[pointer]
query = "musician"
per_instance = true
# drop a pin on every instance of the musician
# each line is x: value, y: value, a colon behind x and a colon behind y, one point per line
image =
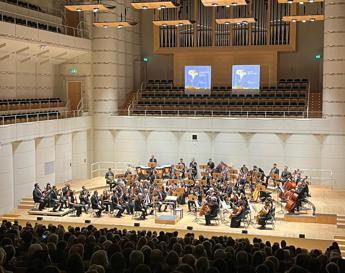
x: 212, y: 211
x: 237, y: 214
x: 265, y: 213
x: 46, y: 195
x: 182, y: 168
x: 109, y: 178
x: 243, y: 170
x: 210, y: 165
x: 274, y: 171
x: 84, y: 196
x: 194, y: 168
x: 153, y: 159
x: 192, y: 199
x: 147, y: 201
x: 105, y: 200
x: 115, y: 205
x: 54, y: 198
x: 302, y: 189
x: 38, y: 196
x: 72, y: 203
x: 160, y: 197
x: 139, y: 206
x: 285, y: 176
x: 95, y: 204
x: 64, y: 198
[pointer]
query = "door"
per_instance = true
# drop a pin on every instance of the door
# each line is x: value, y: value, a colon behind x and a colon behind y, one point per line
x: 73, y: 94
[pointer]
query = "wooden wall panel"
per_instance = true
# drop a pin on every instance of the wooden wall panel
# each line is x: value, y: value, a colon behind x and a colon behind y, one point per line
x: 221, y: 63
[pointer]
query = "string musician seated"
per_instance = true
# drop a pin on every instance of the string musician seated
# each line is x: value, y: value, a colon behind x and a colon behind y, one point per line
x: 274, y: 174
x: 192, y: 201
x: 237, y: 214
x: 159, y: 198
x: 139, y: 206
x: 37, y: 196
x: 84, y: 198
x: 265, y: 213
x: 105, y: 200
x: 116, y: 205
x: 212, y: 211
x: 96, y: 204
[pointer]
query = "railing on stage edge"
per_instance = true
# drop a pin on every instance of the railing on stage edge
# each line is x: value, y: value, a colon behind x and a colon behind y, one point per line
x: 320, y: 177
x: 100, y: 168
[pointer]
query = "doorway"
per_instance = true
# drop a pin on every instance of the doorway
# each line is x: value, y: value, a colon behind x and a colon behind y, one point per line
x: 73, y: 94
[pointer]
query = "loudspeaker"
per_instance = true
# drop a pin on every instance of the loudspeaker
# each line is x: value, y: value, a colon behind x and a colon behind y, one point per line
x: 39, y: 218
x: 137, y: 224
x: 244, y: 231
x: 301, y: 236
x: 189, y: 228
x: 194, y: 137
x: 87, y: 221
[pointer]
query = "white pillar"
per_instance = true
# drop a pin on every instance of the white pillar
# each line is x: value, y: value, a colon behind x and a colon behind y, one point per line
x: 334, y: 59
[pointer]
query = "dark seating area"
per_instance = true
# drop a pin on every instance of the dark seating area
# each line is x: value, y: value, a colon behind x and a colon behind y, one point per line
x: 53, y: 249
x: 9, y: 18
x: 159, y: 97
x: 30, y: 103
x: 29, y: 117
x: 23, y: 4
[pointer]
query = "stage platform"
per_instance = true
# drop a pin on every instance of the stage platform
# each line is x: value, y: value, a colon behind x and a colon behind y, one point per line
x: 317, y: 235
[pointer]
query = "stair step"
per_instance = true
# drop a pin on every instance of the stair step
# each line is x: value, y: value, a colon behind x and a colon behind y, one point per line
x: 27, y: 199
x: 340, y: 225
x: 27, y: 202
x: 339, y: 238
x: 342, y: 247
x: 20, y: 206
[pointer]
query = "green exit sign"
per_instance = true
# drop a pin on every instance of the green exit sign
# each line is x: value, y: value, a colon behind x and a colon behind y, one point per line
x: 73, y: 71
x: 146, y: 59
x: 318, y: 57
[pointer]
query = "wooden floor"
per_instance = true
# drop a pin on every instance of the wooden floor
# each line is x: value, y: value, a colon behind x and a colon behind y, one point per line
x: 316, y: 235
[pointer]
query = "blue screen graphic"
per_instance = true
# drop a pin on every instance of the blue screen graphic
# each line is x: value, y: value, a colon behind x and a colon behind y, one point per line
x: 246, y: 77
x: 197, y: 78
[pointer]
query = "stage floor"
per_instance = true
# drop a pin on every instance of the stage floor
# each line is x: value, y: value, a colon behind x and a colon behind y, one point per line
x: 316, y: 235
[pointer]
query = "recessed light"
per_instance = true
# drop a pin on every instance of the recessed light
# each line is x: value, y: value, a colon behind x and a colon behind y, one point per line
x: 301, y: 3
x: 105, y: 26
x: 227, y: 23
x: 144, y: 7
x: 120, y: 26
x: 245, y: 22
x: 79, y: 9
x: 214, y: 4
x: 312, y: 19
x: 293, y: 20
x: 228, y: 6
x: 303, y: 21
x: 95, y: 10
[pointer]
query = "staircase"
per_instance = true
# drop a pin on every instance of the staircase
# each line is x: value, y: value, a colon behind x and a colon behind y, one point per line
x: 26, y: 203
x: 341, y: 221
x: 341, y: 242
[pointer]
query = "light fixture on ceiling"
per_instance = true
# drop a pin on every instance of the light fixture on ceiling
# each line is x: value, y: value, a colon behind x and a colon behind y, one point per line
x: 234, y: 4
x: 120, y: 26
x: 214, y: 4
x: 303, y: 21
x: 312, y: 19
x: 95, y: 10
x: 290, y: 1
x: 293, y: 20
x: 228, y: 6
x: 227, y: 23
x: 105, y: 26
x: 79, y: 10
x: 144, y: 7
x: 301, y: 3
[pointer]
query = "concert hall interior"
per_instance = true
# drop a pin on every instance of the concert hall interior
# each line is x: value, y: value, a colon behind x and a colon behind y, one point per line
x: 186, y: 136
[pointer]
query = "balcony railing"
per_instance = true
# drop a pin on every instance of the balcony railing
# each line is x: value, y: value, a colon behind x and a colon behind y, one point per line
x: 41, y: 24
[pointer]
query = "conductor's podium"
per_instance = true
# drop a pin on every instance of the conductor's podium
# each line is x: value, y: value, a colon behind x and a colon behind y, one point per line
x: 167, y: 219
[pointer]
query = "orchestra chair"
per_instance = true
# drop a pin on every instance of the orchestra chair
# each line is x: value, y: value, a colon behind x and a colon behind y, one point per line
x: 216, y: 218
x: 247, y: 219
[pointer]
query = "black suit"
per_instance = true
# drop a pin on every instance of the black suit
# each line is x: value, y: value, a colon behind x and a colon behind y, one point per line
x: 95, y: 205
x: 38, y: 197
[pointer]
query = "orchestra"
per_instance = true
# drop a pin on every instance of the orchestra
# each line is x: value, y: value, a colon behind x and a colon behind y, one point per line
x: 159, y: 188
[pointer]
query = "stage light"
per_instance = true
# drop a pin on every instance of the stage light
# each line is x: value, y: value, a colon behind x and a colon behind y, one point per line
x: 39, y: 218
x: 301, y: 236
x: 244, y: 231
x: 137, y: 224
x: 87, y: 221
x: 189, y: 228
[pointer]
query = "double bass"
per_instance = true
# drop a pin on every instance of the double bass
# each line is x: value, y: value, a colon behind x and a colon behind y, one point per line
x: 204, y: 209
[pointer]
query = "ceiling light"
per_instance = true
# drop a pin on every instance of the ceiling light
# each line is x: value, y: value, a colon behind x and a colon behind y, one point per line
x: 245, y: 22
x: 234, y: 4
x: 144, y: 7
x: 293, y: 20
x: 214, y: 4
x: 120, y: 26
x: 105, y: 26
x: 162, y: 6
x: 180, y: 24
x: 238, y: 23
x: 301, y: 3
x: 312, y: 19
x: 303, y: 21
x: 95, y: 10
x: 311, y: 1
x: 79, y: 9
x: 164, y: 25
x: 227, y: 23
x: 290, y: 1
x: 228, y: 6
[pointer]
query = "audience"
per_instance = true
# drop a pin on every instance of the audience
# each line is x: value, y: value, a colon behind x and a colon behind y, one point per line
x: 52, y: 249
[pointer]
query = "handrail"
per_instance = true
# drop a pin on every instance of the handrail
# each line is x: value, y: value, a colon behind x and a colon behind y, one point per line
x: 224, y: 113
x: 47, y: 10
x: 100, y: 167
x: 32, y: 117
x: 60, y: 28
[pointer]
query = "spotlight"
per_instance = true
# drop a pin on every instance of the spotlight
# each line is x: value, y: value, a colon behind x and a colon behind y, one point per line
x: 95, y: 10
